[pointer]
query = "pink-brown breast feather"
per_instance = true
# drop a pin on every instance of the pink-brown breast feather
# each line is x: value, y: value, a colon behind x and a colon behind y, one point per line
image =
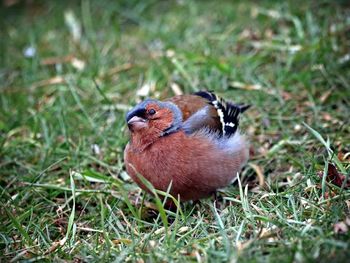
x: 194, y: 164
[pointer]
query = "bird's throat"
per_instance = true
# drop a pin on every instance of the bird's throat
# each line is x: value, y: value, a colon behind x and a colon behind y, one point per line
x: 141, y: 140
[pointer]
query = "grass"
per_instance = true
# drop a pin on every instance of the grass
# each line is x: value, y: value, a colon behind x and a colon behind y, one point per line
x: 69, y: 70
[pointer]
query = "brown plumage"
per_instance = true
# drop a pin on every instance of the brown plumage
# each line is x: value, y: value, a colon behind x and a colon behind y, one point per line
x: 190, y: 104
x: 190, y: 141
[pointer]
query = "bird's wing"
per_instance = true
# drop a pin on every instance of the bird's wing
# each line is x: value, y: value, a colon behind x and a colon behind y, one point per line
x: 197, y: 113
x: 206, y: 110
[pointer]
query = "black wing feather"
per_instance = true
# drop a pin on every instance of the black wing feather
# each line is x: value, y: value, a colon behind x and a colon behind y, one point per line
x: 227, y: 111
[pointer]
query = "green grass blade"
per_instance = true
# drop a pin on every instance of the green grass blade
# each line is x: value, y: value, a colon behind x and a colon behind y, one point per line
x: 331, y: 154
x: 19, y: 227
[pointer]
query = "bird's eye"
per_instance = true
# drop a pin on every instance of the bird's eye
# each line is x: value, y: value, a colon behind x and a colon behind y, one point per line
x: 152, y: 112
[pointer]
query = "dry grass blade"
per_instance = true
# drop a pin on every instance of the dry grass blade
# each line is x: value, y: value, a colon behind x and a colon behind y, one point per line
x: 259, y: 172
x: 48, y: 82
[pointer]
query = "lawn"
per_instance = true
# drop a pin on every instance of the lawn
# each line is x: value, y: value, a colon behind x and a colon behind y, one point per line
x: 70, y: 70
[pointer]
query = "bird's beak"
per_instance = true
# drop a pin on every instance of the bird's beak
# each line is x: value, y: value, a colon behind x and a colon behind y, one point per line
x: 136, y: 123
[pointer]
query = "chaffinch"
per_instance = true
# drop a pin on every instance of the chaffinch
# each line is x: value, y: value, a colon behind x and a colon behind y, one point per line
x: 190, y: 141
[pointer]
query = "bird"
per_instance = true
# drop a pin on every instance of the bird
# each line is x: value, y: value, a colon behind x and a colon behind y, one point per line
x: 190, y: 143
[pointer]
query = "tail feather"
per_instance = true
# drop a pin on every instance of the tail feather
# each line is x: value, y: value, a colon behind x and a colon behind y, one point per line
x: 228, y: 112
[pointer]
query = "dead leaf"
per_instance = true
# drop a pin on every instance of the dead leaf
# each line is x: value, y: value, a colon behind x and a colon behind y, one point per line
x: 183, y: 229
x: 119, y: 241
x: 117, y: 69
x: 176, y: 88
x: 152, y: 243
x: 271, y: 234
x: 56, y: 60
x: 150, y: 205
x: 170, y: 53
x: 329, y: 194
x: 286, y: 95
x: 335, y: 177
x: 8, y: 3
x: 347, y: 221
x: 343, y: 157
x: 159, y: 231
x: 46, y: 82
x: 348, y: 204
x: 56, y: 245
x: 241, y: 245
x: 241, y: 85
x: 325, y: 95
x: 326, y: 116
x: 73, y: 25
x: 146, y: 89
x: 340, y: 228
x: 78, y: 64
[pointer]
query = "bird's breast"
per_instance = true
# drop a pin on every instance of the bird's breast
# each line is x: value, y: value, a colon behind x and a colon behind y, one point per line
x: 192, y: 164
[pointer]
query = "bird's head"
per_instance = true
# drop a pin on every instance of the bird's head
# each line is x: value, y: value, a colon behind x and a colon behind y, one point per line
x: 154, y: 117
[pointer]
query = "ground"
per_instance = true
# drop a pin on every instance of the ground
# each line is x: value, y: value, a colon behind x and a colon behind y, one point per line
x: 70, y: 70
